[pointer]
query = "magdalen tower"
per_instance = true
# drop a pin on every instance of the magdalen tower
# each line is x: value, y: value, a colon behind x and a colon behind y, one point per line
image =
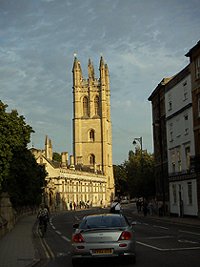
x: 92, y: 129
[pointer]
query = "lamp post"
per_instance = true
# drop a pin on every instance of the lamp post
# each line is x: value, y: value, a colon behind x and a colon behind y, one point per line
x: 139, y: 139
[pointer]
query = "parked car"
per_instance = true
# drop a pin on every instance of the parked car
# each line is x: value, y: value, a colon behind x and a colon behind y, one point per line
x: 103, y: 236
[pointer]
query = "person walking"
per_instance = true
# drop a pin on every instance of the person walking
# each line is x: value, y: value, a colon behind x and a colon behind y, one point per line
x: 115, y: 206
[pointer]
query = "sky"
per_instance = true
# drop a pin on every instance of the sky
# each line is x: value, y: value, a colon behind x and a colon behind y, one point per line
x: 142, y: 41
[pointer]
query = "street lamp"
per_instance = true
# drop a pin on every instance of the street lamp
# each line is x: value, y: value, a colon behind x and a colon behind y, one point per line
x: 139, y: 139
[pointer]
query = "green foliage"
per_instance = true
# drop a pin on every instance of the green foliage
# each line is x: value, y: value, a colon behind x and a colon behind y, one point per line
x: 135, y: 177
x: 56, y: 157
x: 20, y: 175
x: 121, y: 185
x: 26, y: 179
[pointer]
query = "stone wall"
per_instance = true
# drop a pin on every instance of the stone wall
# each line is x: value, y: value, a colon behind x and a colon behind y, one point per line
x: 7, y: 214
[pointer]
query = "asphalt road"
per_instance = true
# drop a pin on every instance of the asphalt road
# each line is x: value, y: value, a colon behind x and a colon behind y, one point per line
x: 158, y: 243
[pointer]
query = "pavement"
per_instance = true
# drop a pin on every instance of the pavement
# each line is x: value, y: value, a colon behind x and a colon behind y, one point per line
x: 17, y: 248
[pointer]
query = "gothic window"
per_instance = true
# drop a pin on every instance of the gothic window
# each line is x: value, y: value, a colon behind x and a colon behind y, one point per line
x: 91, y: 136
x: 85, y: 106
x: 96, y: 106
x: 92, y: 159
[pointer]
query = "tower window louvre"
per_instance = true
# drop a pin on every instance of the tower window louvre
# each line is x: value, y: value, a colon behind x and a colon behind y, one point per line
x: 96, y: 106
x: 85, y: 107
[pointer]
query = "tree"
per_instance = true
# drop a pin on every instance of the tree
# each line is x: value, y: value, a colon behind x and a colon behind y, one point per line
x: 14, y: 134
x: 56, y: 157
x: 140, y: 172
x: 26, y: 180
x: 20, y: 175
x: 120, y: 176
x: 135, y: 177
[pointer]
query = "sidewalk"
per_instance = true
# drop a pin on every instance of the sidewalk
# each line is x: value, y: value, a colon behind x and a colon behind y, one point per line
x: 16, y: 247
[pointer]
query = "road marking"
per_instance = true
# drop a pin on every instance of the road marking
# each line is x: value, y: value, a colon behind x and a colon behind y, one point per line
x: 167, y: 249
x: 188, y: 232
x: 58, y: 232
x: 162, y: 227
x: 187, y: 241
x: 160, y: 237
x: 48, y: 252
x: 66, y: 238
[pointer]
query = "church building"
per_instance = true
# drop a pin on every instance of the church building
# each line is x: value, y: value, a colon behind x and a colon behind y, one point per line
x: 88, y: 176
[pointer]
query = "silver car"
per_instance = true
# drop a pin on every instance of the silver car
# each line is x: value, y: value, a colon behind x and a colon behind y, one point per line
x: 103, y: 236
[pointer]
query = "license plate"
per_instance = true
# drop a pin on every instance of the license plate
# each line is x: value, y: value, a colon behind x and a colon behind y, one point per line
x: 102, y: 251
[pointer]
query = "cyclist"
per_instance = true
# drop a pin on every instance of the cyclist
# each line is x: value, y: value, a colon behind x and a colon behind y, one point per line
x: 115, y: 206
x: 43, y: 216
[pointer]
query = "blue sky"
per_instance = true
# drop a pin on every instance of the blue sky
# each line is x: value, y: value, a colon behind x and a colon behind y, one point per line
x: 142, y: 41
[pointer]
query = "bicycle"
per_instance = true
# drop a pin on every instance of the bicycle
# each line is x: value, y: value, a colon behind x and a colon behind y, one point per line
x: 42, y: 227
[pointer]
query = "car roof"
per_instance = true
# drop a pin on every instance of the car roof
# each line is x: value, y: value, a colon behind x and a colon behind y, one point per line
x: 104, y: 215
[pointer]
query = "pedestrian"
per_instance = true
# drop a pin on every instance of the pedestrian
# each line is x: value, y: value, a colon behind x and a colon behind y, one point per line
x: 145, y: 207
x: 74, y: 205
x: 115, y: 206
x: 70, y: 205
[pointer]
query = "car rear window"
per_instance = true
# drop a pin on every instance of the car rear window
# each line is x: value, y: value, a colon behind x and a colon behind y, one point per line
x: 103, y: 222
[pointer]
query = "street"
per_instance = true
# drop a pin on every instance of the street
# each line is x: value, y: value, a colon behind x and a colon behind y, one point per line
x: 157, y: 242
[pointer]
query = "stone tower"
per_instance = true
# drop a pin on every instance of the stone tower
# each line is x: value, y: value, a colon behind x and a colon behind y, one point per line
x: 92, y: 130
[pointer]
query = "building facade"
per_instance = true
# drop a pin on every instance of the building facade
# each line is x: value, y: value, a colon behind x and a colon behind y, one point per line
x: 65, y: 184
x: 194, y: 56
x: 176, y: 133
x: 180, y: 144
x: 157, y: 99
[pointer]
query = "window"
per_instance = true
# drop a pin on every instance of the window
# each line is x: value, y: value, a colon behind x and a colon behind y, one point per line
x: 92, y: 159
x: 189, y: 184
x: 197, y: 68
x: 91, y: 136
x: 169, y: 102
x: 170, y: 105
x: 171, y: 132
x: 198, y: 103
x: 179, y: 160
x: 185, y: 91
x: 186, y: 124
x: 174, y: 193
x: 173, y: 161
x: 187, y: 157
x: 96, y: 106
x: 85, y: 106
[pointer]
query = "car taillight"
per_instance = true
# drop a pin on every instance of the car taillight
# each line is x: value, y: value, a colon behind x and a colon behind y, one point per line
x: 78, y: 238
x: 125, y: 235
